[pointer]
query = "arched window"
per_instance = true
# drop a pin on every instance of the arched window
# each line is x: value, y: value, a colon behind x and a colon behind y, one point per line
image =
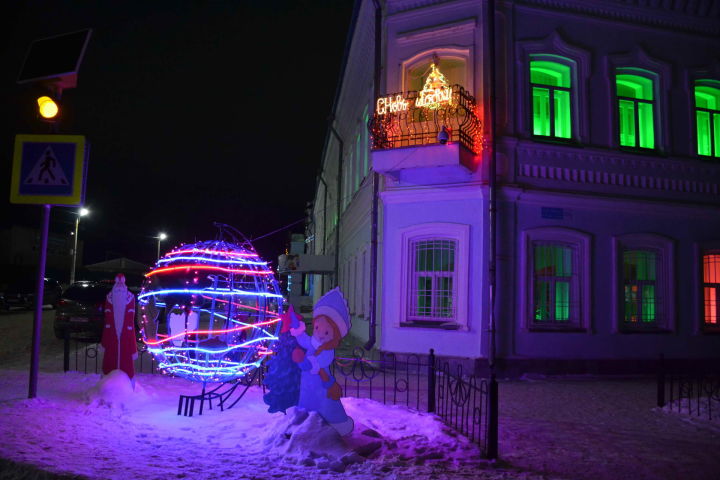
x: 636, y: 110
x: 454, y: 70
x: 707, y: 115
x: 551, y: 85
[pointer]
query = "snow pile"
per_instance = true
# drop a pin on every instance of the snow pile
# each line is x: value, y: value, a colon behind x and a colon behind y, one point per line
x: 115, y: 390
x: 390, y: 434
x: 706, y: 411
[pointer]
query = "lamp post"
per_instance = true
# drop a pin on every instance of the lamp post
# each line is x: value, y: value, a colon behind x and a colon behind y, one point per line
x: 160, y: 238
x: 81, y: 213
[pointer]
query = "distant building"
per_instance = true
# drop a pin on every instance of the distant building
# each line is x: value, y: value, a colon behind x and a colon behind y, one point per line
x: 20, y: 247
x: 608, y: 189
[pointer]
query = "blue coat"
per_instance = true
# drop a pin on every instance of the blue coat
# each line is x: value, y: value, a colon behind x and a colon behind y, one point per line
x: 313, y: 391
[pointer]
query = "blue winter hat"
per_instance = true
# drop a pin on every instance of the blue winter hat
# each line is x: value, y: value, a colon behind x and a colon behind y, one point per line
x: 334, y: 306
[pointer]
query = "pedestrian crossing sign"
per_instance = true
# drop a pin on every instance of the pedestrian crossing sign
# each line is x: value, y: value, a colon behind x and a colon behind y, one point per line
x: 49, y: 170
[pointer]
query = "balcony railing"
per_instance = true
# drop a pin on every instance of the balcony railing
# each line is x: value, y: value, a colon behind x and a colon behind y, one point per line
x: 398, y: 121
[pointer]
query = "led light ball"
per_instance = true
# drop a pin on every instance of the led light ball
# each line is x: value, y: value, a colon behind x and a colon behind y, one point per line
x: 209, y: 311
x: 47, y: 107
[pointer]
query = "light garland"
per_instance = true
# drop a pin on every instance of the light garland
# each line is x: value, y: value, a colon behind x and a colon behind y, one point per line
x: 210, y: 311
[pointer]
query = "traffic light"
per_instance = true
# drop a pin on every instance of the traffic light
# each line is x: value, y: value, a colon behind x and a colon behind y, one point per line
x: 48, y: 109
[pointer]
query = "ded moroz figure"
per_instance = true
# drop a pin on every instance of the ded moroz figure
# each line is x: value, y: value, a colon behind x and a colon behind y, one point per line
x: 318, y: 389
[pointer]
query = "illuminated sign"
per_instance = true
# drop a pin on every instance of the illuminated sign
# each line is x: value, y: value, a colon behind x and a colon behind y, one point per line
x: 436, y: 90
x: 391, y: 105
x: 434, y: 94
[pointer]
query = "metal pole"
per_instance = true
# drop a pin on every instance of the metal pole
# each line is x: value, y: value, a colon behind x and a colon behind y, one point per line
x: 39, y: 293
x: 74, y: 259
x: 158, y: 253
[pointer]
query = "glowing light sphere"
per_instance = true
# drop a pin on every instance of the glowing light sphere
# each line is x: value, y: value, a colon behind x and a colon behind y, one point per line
x: 209, y: 311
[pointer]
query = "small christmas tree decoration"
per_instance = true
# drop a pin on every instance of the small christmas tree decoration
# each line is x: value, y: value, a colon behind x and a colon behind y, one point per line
x: 283, y: 375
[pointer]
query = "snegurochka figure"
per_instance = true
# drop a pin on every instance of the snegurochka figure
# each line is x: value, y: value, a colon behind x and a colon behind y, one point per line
x: 319, y: 391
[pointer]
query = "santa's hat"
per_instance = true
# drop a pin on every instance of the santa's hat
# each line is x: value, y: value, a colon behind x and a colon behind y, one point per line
x: 334, y: 306
x: 119, y: 280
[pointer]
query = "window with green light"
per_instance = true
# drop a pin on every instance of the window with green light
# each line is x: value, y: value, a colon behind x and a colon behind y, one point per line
x: 636, y: 110
x: 552, y: 283
x: 550, y: 83
x: 640, y: 287
x: 707, y: 116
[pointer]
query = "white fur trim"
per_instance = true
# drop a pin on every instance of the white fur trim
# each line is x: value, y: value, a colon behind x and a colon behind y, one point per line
x: 333, y: 315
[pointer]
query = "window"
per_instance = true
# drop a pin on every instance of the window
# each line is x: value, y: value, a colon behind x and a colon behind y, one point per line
x: 707, y: 115
x: 644, y: 272
x: 640, y: 286
x: 553, y: 277
x: 434, y: 270
x: 556, y: 262
x: 711, y: 290
x: 550, y: 83
x: 453, y: 68
x: 432, y: 281
x: 636, y: 110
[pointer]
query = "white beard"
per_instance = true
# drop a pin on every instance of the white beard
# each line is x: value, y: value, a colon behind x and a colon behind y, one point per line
x: 119, y: 299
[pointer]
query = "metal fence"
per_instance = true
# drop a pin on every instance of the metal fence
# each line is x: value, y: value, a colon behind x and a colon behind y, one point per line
x: 406, y: 125
x: 693, y: 393
x: 82, y: 356
x: 463, y: 402
x: 431, y: 384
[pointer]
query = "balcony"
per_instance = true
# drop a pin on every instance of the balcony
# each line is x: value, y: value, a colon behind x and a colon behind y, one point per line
x: 445, y: 118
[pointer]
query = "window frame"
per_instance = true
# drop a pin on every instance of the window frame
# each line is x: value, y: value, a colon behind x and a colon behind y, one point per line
x: 571, y: 93
x: 700, y: 252
x: 460, y: 233
x: 580, y: 243
x: 638, y: 72
x: 664, y: 248
x: 705, y: 82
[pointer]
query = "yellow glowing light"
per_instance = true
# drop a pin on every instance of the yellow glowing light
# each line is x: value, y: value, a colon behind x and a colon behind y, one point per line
x: 47, y: 106
x: 390, y: 104
x: 435, y: 91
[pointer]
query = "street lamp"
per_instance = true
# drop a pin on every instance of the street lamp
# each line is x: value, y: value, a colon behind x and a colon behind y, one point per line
x: 160, y: 238
x: 81, y: 213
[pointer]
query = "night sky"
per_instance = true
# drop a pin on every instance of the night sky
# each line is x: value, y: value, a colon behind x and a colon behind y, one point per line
x: 196, y: 112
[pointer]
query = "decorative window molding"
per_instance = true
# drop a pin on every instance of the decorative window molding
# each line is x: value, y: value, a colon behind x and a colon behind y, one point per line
x: 643, y: 293
x: 553, y: 48
x: 639, y: 63
x: 555, y: 268
x: 443, y: 298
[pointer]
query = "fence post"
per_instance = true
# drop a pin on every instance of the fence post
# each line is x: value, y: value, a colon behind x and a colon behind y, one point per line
x: 492, y: 434
x: 66, y: 351
x: 431, y: 381
x: 661, y: 382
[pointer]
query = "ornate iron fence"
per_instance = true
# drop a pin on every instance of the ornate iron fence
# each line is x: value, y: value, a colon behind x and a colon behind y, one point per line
x: 399, y: 123
x: 465, y: 403
x: 693, y: 393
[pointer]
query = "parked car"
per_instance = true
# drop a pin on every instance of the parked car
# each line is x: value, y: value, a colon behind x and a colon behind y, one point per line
x: 80, y: 310
x: 21, y: 293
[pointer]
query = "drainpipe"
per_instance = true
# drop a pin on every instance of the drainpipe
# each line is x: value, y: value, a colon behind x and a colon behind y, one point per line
x: 341, y: 148
x: 324, y: 232
x: 492, y: 274
x: 375, y: 188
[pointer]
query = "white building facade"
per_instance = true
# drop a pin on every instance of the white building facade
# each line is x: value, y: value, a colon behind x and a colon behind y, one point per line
x: 607, y: 153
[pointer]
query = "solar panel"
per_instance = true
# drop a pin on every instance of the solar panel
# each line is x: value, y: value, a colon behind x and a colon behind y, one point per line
x: 54, y: 57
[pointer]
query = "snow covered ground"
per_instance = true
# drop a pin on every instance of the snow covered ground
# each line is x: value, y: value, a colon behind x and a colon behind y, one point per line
x: 80, y: 425
x: 549, y: 429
